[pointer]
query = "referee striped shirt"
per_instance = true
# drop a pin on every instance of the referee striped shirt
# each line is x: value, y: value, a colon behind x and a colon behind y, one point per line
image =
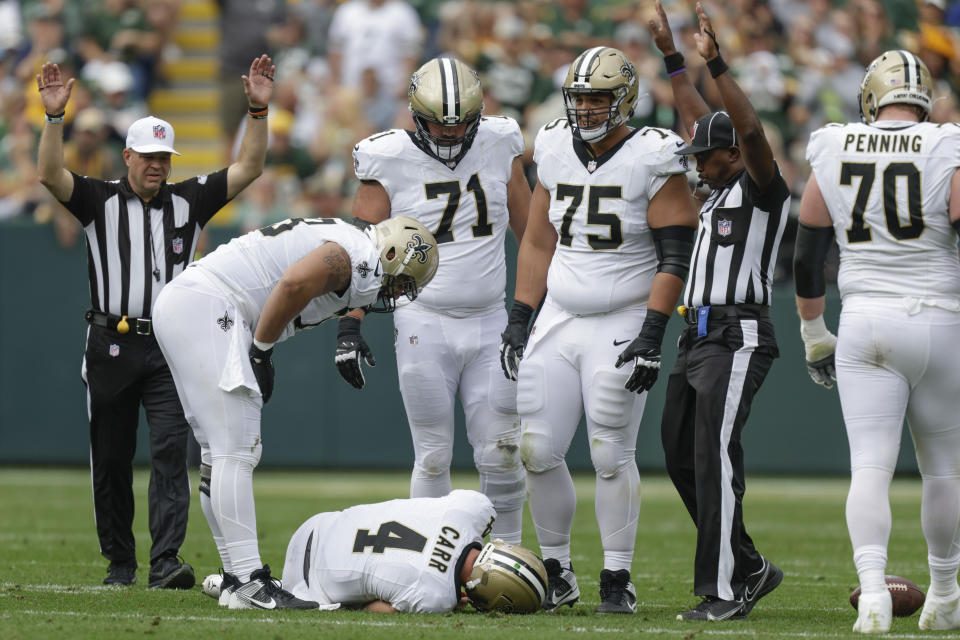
x: 736, y: 249
x: 134, y: 248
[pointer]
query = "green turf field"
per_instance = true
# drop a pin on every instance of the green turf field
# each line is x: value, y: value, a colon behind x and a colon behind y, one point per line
x: 51, y: 571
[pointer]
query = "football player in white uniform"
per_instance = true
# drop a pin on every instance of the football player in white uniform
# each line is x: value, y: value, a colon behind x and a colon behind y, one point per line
x: 413, y: 555
x: 216, y: 324
x: 888, y: 190
x: 460, y: 175
x: 608, y: 243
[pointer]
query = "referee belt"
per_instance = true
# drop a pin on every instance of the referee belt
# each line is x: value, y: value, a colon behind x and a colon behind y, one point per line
x: 120, y: 324
x: 725, y: 312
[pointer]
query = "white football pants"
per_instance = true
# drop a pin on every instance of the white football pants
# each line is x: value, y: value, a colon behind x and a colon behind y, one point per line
x: 438, y: 357
x: 900, y: 358
x: 205, y: 342
x: 568, y: 370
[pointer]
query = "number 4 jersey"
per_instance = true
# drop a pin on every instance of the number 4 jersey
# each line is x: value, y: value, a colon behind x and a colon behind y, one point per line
x: 465, y: 207
x: 406, y: 552
x: 887, y: 187
x: 605, y: 259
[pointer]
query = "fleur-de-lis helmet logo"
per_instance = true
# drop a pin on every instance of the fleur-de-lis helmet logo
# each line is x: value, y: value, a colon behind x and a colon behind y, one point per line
x: 418, y: 248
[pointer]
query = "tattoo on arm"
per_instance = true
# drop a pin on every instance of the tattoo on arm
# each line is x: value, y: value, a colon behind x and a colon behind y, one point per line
x: 338, y: 263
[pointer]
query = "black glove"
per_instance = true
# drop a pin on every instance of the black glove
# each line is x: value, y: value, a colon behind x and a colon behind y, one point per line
x: 350, y: 347
x: 263, y: 370
x: 514, y: 338
x: 645, y: 352
x: 823, y: 371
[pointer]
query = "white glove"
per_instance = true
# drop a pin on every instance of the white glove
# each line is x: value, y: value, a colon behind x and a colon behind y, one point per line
x: 820, y: 346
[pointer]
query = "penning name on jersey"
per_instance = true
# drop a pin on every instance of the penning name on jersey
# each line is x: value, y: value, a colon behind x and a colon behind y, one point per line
x: 883, y: 143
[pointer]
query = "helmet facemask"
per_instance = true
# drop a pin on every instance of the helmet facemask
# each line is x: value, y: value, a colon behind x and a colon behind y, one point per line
x: 446, y: 92
x: 600, y: 71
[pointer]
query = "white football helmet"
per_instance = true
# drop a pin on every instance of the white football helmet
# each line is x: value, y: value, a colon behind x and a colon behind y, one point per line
x: 507, y: 578
x: 447, y: 92
x: 896, y: 76
x: 601, y: 70
x: 409, y: 258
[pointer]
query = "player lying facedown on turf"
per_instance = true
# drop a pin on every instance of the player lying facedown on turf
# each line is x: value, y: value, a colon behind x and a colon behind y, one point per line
x: 216, y: 324
x: 410, y: 555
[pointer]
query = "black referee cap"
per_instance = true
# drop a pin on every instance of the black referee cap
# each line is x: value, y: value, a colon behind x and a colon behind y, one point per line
x: 712, y: 131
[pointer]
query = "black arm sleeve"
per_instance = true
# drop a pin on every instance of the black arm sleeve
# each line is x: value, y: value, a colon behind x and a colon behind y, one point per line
x: 956, y: 225
x: 810, y: 251
x: 674, y: 247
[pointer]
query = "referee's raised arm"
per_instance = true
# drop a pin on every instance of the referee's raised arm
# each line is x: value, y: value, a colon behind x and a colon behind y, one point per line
x: 258, y: 85
x: 54, y: 94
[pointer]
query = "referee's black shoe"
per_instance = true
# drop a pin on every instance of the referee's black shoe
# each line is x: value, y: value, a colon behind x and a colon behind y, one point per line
x: 169, y: 573
x: 121, y: 573
x: 758, y: 584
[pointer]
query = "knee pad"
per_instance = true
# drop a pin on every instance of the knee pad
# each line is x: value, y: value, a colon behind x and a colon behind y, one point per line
x: 609, y: 456
x: 436, y: 461
x: 536, y: 450
x: 205, y: 475
x: 530, y: 385
x: 500, y: 456
x: 609, y: 403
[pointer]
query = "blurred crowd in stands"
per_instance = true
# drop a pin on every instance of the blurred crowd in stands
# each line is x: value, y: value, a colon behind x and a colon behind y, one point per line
x: 343, y: 70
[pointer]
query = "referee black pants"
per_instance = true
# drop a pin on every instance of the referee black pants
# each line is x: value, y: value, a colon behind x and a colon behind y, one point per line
x: 708, y: 399
x: 121, y: 372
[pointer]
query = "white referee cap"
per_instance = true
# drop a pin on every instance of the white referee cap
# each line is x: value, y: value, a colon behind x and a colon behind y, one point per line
x: 151, y: 135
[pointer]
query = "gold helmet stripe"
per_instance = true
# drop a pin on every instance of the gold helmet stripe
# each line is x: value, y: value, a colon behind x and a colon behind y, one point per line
x: 513, y: 564
x: 450, y: 84
x: 582, y: 72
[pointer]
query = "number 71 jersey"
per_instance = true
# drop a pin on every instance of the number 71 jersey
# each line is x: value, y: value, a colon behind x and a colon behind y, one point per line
x: 887, y: 188
x: 464, y: 206
x: 605, y: 258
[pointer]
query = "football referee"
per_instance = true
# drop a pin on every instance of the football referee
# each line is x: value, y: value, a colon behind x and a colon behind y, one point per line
x: 141, y: 232
x: 728, y: 345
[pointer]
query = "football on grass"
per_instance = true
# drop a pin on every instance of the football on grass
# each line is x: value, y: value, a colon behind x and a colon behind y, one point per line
x: 907, y: 597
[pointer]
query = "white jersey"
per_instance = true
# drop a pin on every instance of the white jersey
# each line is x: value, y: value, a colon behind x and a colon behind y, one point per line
x: 887, y: 187
x: 406, y: 552
x: 247, y: 268
x: 605, y: 258
x: 465, y: 207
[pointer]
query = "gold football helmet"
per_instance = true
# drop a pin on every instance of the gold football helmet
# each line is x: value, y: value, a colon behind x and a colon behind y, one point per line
x: 447, y: 92
x: 601, y: 70
x: 897, y: 76
x: 507, y: 578
x: 408, y: 257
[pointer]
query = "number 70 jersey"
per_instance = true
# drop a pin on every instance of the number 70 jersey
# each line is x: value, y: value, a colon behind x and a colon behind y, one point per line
x: 887, y: 188
x: 465, y: 207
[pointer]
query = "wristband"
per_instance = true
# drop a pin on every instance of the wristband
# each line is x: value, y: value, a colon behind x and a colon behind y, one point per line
x: 258, y: 113
x: 717, y: 66
x: 520, y: 313
x: 674, y: 63
x: 263, y: 346
x: 814, y: 330
x: 55, y: 118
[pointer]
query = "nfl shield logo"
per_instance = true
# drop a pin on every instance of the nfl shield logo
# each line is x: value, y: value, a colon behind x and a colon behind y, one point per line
x: 592, y: 166
x: 414, y: 339
x: 178, y: 245
x: 724, y: 227
x: 159, y: 132
x: 114, y: 350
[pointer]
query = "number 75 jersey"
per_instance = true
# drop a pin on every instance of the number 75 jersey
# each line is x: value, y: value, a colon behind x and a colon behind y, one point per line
x: 605, y: 259
x: 887, y: 188
x: 465, y: 207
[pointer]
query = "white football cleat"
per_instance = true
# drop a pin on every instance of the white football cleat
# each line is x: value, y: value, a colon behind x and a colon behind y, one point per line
x: 941, y: 612
x: 875, y: 613
x: 211, y: 585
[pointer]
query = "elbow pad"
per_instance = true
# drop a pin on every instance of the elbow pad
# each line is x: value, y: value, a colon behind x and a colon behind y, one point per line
x: 809, y: 254
x: 674, y: 246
